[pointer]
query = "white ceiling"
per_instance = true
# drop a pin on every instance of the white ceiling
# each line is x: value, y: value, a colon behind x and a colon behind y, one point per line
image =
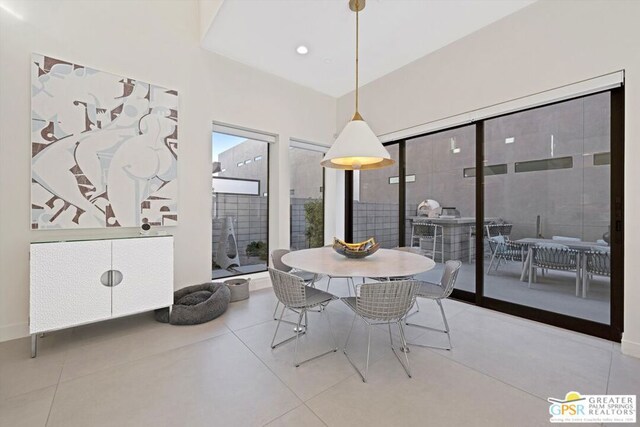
x: 265, y: 33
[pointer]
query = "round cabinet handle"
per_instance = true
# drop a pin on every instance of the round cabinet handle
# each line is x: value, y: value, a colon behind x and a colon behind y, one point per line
x: 116, y: 277
x: 111, y: 278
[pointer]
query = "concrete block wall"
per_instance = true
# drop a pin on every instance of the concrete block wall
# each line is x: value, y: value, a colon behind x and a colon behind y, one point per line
x: 378, y: 220
x: 249, y: 215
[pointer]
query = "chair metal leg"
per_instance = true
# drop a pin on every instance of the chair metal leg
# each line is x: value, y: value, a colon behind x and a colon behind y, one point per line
x: 446, y: 324
x: 362, y: 376
x: 295, y: 353
x: 493, y: 257
x: 406, y: 367
x: 446, y: 329
x: 273, y: 345
x: 275, y: 311
x: 328, y: 283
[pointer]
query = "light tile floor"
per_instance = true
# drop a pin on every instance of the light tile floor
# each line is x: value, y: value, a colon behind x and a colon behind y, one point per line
x: 136, y: 372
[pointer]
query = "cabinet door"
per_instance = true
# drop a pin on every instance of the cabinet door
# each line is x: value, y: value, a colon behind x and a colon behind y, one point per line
x: 146, y: 265
x: 65, y: 284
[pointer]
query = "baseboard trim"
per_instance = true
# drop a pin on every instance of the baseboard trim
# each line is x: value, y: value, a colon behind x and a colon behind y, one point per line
x: 259, y: 283
x: 14, y: 331
x: 630, y: 348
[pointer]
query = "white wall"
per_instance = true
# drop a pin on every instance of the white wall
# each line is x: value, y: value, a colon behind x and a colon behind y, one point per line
x: 158, y: 42
x: 546, y: 45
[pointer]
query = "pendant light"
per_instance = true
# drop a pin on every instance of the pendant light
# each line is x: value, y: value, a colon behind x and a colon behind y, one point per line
x: 357, y: 147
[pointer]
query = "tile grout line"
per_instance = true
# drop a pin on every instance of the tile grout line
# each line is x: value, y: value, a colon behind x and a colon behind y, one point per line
x: 140, y: 358
x: 556, y: 331
x: 55, y: 392
x: 314, y: 413
x: 274, y: 374
x: 609, y: 376
x: 486, y: 375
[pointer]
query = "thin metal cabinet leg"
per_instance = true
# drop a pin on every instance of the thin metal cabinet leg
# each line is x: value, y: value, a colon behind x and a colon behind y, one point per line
x: 34, y: 345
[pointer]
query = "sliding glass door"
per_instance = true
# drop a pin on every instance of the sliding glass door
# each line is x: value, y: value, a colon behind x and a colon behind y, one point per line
x: 531, y: 202
x: 440, y: 207
x: 548, y: 231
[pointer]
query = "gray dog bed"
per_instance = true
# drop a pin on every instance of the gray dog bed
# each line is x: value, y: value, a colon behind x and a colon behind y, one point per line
x: 196, y: 304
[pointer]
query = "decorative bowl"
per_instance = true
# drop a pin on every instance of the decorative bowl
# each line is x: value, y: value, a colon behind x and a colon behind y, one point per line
x: 355, y: 250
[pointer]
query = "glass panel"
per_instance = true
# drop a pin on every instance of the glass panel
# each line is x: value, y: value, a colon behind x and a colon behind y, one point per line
x: 307, y: 209
x: 375, y: 205
x: 436, y: 161
x: 488, y: 170
x: 600, y: 159
x: 561, y: 204
x: 239, y: 216
x: 544, y: 164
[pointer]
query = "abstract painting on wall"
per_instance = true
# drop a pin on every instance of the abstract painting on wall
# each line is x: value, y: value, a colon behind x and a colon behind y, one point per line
x: 104, y: 149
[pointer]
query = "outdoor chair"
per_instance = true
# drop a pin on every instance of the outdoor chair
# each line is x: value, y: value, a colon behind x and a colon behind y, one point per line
x: 296, y: 296
x: 379, y: 304
x: 554, y: 256
x: 494, y: 230
x: 597, y: 262
x: 437, y: 292
x: 429, y: 233
x: 503, y: 249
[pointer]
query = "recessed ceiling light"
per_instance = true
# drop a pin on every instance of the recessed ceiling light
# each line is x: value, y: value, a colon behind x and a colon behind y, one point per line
x: 302, y: 49
x: 510, y: 140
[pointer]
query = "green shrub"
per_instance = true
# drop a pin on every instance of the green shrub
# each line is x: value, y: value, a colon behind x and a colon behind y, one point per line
x: 314, y: 215
x: 258, y: 249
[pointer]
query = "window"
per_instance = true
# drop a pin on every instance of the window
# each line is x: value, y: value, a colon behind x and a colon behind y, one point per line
x: 240, y: 214
x: 306, y: 202
x: 544, y: 164
x: 488, y: 170
x: 601, y: 159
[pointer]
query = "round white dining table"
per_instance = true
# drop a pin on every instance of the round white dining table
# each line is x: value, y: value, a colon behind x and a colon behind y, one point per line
x: 383, y: 263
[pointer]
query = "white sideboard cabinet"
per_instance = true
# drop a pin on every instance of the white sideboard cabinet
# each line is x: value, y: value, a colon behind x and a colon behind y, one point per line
x: 78, y: 282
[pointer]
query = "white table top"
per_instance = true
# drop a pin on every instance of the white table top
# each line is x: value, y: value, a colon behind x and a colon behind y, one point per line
x: 383, y: 263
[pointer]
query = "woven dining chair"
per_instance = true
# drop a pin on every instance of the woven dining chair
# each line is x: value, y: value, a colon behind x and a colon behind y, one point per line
x: 294, y: 295
x: 379, y: 304
x: 597, y: 262
x: 437, y: 292
x: 503, y: 249
x: 554, y: 256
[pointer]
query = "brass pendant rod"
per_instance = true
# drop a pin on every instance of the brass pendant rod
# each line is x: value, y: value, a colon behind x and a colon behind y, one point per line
x: 357, y: 47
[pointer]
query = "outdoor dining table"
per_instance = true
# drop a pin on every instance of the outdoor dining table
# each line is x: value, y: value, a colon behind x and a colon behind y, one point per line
x: 579, y: 246
x: 383, y: 263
